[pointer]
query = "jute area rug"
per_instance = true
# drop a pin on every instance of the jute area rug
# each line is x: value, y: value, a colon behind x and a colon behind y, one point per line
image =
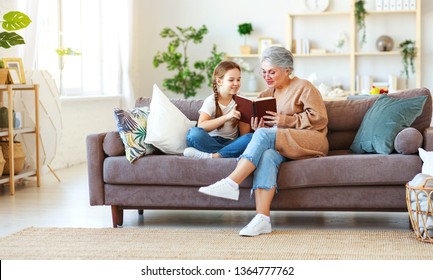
x: 208, y: 244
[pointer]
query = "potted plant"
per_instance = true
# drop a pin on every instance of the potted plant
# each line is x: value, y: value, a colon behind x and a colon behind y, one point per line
x: 360, y: 13
x: 245, y: 29
x: 186, y: 80
x: 11, y: 22
x: 408, y: 54
x: 63, y: 54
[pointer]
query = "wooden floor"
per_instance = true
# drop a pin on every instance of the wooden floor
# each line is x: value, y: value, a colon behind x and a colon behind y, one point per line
x: 66, y: 204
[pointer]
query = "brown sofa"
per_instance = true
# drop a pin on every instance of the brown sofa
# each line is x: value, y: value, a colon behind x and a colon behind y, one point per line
x: 341, y: 181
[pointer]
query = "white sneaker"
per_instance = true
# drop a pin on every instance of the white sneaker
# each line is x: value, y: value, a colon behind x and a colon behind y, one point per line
x: 258, y: 225
x: 194, y: 153
x: 221, y: 189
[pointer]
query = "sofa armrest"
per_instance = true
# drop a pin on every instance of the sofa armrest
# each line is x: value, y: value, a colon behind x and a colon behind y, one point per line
x: 95, y: 163
x: 428, y: 139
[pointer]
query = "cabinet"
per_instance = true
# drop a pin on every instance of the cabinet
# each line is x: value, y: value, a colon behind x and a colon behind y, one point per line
x: 10, y: 132
x: 347, y: 66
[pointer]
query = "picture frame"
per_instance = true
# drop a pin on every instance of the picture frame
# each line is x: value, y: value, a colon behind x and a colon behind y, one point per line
x: 264, y: 43
x: 16, y: 69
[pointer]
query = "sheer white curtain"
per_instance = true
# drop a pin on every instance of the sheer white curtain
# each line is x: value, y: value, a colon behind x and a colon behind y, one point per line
x: 126, y: 42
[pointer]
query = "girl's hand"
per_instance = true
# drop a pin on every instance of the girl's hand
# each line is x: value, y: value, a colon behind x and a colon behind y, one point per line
x: 271, y: 119
x: 255, y: 123
x: 233, y: 114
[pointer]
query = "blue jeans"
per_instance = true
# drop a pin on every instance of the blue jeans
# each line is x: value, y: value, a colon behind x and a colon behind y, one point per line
x: 201, y: 140
x: 261, y: 152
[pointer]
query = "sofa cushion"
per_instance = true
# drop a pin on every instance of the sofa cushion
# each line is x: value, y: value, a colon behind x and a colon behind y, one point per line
x: 166, y: 170
x: 132, y: 126
x: 408, y: 141
x: 113, y: 145
x: 383, y: 121
x: 342, y: 129
x: 341, y: 168
x: 167, y: 125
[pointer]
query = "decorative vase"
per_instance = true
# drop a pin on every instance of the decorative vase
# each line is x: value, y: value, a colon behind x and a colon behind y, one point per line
x: 384, y: 43
x: 252, y: 83
x: 245, y: 49
x: 19, y: 156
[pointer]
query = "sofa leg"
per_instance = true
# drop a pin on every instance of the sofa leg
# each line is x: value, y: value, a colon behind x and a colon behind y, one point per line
x: 140, y: 211
x: 116, y: 215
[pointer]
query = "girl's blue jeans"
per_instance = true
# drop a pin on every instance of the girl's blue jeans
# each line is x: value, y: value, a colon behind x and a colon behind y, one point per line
x: 261, y: 152
x: 201, y: 140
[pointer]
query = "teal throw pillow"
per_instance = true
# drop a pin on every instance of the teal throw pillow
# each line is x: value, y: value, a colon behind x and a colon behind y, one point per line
x: 132, y: 126
x: 383, y: 121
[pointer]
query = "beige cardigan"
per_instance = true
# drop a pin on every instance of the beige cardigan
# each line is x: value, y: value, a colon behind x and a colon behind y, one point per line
x: 303, y: 134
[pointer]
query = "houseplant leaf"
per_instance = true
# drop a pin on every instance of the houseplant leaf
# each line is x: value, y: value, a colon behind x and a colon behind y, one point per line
x: 15, y: 20
x: 8, y: 39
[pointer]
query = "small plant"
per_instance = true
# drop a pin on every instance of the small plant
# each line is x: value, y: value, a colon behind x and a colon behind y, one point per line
x: 13, y: 21
x: 62, y: 52
x: 408, y: 53
x: 244, y: 30
x: 186, y: 81
x: 360, y: 14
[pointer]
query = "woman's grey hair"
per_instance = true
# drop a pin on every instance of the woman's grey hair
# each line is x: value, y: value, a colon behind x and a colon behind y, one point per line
x: 278, y: 56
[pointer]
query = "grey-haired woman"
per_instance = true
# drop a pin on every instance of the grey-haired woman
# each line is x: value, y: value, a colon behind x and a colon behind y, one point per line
x: 296, y: 131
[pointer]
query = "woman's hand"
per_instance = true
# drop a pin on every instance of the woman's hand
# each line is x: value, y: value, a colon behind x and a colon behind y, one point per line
x: 271, y: 119
x: 233, y: 114
x: 255, y: 123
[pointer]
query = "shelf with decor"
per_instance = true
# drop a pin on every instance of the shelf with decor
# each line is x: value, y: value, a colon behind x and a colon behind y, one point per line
x: 317, y: 29
x: 10, y: 132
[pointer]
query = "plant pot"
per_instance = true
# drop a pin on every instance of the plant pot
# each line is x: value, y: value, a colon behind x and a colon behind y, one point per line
x: 19, y: 156
x: 4, y: 73
x: 2, y: 162
x: 245, y: 49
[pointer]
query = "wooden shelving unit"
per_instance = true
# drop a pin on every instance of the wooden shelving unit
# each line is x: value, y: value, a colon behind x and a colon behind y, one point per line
x: 353, y: 57
x: 9, y: 90
x: 354, y: 54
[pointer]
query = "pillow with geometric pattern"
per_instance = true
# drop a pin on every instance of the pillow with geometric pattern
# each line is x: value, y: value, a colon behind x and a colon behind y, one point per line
x: 132, y: 125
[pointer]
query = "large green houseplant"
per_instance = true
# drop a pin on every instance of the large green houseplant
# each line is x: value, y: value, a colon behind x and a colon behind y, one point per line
x: 186, y: 80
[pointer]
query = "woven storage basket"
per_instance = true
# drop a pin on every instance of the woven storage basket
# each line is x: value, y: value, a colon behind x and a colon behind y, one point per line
x: 419, y: 200
x: 2, y: 162
x: 19, y: 157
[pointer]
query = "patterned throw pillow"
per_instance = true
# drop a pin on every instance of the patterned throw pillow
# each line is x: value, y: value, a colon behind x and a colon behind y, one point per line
x: 132, y: 125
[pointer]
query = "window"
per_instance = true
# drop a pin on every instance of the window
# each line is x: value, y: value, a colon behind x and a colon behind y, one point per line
x: 87, y: 27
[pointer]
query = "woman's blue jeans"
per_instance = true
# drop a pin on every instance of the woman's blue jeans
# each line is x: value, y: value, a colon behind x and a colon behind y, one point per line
x: 261, y: 152
x: 201, y: 140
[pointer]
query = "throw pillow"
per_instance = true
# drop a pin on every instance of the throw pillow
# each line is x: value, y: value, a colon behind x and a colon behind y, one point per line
x: 167, y: 125
x: 408, y: 141
x: 427, y: 159
x: 383, y: 121
x: 132, y: 130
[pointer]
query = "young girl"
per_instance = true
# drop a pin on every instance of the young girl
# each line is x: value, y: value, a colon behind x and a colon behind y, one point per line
x: 218, y: 128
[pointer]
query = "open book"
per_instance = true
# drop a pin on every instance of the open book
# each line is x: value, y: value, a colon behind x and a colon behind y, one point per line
x: 254, y: 107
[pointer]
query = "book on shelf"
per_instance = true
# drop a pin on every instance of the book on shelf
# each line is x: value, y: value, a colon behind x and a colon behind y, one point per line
x: 254, y: 107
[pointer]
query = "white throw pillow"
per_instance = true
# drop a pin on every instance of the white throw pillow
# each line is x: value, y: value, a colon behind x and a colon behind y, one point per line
x: 166, y: 124
x: 427, y: 158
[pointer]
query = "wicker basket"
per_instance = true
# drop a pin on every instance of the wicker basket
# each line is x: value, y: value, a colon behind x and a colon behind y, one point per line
x: 19, y: 157
x: 419, y: 200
